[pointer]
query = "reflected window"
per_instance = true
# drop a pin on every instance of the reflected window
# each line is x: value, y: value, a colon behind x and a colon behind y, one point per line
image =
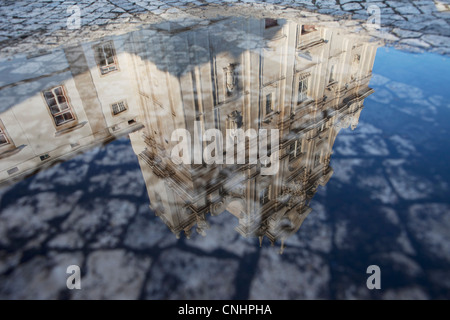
x: 3, y: 137
x: 331, y: 79
x: 316, y: 160
x: 269, y: 23
x: 295, y: 150
x: 105, y: 55
x: 118, y: 107
x: 322, y: 128
x: 264, y: 196
x: 303, y: 90
x: 269, y: 103
x: 58, y: 104
x: 265, y: 161
x: 159, y: 206
x: 308, y: 28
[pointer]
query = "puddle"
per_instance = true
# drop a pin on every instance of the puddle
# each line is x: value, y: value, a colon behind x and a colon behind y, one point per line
x: 217, y: 160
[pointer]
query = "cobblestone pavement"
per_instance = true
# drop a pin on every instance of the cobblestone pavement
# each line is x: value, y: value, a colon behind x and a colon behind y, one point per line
x: 25, y: 25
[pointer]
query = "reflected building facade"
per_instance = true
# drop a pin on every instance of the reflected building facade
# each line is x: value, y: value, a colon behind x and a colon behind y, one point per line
x: 59, y: 103
x: 306, y: 81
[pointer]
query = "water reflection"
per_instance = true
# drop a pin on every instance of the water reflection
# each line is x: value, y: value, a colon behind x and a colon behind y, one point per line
x: 308, y: 82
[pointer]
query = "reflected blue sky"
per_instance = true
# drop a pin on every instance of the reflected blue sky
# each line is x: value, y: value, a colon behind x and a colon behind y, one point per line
x: 390, y: 189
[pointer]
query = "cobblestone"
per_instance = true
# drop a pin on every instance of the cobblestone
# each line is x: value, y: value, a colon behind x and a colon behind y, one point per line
x: 26, y: 21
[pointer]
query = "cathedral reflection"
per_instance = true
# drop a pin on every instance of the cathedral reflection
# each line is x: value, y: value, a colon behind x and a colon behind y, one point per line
x: 306, y: 81
x: 309, y: 82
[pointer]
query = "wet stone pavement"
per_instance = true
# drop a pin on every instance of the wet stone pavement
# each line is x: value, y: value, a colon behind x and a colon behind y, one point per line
x: 413, y: 24
x: 386, y: 202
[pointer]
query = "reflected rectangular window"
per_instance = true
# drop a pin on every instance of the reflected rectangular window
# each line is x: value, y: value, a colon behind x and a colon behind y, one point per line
x: 3, y: 138
x: 159, y: 206
x: 264, y: 196
x: 57, y: 102
x: 118, y: 107
x: 308, y: 28
x: 269, y: 108
x: 106, y: 58
x: 316, y: 160
x: 295, y: 150
x: 302, y: 90
x: 12, y: 170
x: 331, y: 79
x: 292, y: 151
x: 269, y: 23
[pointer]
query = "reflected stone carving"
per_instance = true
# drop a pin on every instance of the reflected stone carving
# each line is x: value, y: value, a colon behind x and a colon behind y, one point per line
x: 235, y: 120
x: 293, y: 193
x: 230, y: 78
x: 355, y: 66
x: 238, y: 192
x: 202, y: 225
x: 217, y: 208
